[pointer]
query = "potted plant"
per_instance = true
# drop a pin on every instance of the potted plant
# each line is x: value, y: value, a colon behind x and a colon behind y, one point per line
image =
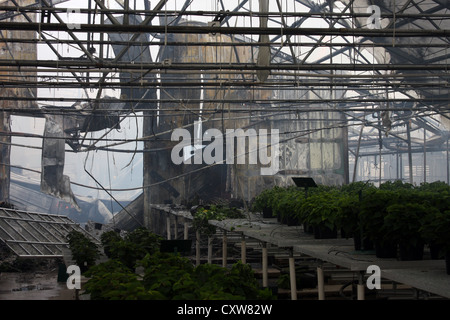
x: 350, y: 221
x: 287, y: 206
x: 213, y: 212
x: 320, y: 211
x: 402, y: 225
x: 261, y: 203
x: 435, y: 229
x: 374, y: 205
x: 267, y: 200
x: 84, y: 252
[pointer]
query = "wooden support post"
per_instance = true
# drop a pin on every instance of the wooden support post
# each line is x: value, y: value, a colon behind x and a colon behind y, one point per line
x: 243, y: 250
x: 264, y: 266
x: 292, y: 275
x: 320, y: 283
x: 360, y: 287
x: 224, y: 249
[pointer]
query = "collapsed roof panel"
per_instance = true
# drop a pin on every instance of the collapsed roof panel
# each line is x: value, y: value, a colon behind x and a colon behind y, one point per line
x: 38, y: 235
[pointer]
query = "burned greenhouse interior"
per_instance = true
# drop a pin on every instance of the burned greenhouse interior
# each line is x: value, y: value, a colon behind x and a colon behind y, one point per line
x: 229, y: 131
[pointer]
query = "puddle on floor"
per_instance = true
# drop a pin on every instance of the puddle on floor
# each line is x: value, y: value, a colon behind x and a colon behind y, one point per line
x: 29, y: 286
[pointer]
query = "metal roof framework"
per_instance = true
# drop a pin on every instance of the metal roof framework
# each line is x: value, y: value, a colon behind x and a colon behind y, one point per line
x: 409, y: 88
x: 36, y: 235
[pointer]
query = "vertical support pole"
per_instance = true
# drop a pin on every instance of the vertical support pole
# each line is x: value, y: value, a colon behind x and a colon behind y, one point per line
x: 175, y: 228
x: 168, y: 227
x: 210, y: 249
x: 357, y: 153
x: 292, y: 275
x: 224, y: 249
x: 264, y: 266
x: 186, y: 229
x: 5, y: 154
x: 320, y: 283
x: 360, y: 287
x: 197, y: 248
x: 243, y: 250
x: 448, y: 167
x: 408, y: 134
x: 424, y: 155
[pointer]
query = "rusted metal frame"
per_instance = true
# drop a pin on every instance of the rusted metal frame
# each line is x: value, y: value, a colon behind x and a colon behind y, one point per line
x: 120, y: 55
x: 288, y: 39
x: 232, y: 38
x: 46, y: 40
x: 138, y: 29
x: 74, y: 37
x: 37, y: 5
x: 347, y: 7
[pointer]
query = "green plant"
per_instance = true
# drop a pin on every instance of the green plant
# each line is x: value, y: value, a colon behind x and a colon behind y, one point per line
x: 133, y: 247
x: 204, y: 214
x: 373, y: 206
x: 435, y: 228
x: 321, y: 210
x: 396, y: 185
x: 174, y: 277
x: 287, y: 207
x: 402, y: 223
x: 109, y: 239
x: 169, y: 274
x: 349, y: 219
x: 267, y: 199
x: 112, y: 280
x: 84, y: 251
x: 261, y: 201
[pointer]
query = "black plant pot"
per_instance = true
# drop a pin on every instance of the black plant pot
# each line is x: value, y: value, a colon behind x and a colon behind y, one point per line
x: 436, y: 251
x: 267, y: 213
x: 308, y: 228
x: 366, y: 244
x: 447, y: 262
x: 292, y: 221
x: 322, y: 232
x: 385, y: 249
x: 411, y: 252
